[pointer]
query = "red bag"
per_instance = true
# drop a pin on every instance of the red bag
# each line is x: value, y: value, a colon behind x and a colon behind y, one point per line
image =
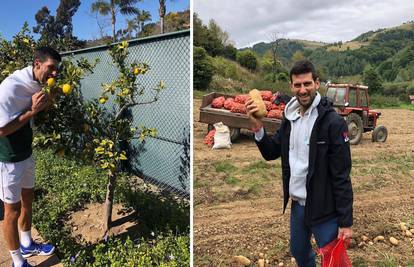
x: 268, y: 105
x: 228, y: 104
x: 238, y: 108
x: 218, y: 102
x: 241, y: 98
x: 266, y: 95
x: 275, y: 114
x: 334, y: 254
x: 209, y: 139
x: 274, y: 106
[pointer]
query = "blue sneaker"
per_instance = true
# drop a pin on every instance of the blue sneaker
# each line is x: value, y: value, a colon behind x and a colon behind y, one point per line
x: 25, y: 264
x: 37, y: 249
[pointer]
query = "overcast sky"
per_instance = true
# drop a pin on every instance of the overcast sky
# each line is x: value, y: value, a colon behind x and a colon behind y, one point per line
x: 249, y: 22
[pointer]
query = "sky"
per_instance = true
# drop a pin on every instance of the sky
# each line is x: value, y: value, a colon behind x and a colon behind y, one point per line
x: 15, y: 12
x: 250, y: 22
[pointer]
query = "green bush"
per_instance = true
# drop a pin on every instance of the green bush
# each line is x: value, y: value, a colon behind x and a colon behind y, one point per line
x: 382, y: 101
x: 277, y: 86
x: 17, y: 53
x: 226, y: 85
x: 230, y: 69
x: 166, y: 250
x: 410, y: 89
x: 248, y: 59
x: 373, y: 80
x: 399, y: 89
x: 203, y: 68
x: 283, y: 77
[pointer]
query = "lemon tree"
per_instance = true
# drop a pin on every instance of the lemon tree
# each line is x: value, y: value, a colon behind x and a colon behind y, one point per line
x: 125, y: 91
x: 17, y: 53
x: 67, y: 124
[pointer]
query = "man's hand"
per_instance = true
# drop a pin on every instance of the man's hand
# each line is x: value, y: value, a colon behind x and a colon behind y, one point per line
x: 345, y: 233
x: 39, y: 102
x: 251, y: 108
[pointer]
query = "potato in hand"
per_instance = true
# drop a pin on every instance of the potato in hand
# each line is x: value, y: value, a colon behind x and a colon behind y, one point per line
x: 256, y: 96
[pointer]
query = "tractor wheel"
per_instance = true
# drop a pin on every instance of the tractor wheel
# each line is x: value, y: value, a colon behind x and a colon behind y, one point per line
x: 234, y: 132
x: 379, y: 134
x: 355, y: 128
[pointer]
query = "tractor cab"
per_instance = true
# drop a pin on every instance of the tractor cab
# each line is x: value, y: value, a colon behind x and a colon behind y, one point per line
x: 352, y: 102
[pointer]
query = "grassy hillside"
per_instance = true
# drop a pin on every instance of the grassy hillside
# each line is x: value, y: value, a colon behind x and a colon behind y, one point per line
x: 384, y: 49
x: 366, y: 38
x: 231, y: 78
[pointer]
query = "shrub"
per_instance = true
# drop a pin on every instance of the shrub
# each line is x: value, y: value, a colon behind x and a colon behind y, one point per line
x: 373, y: 80
x: 410, y: 89
x: 247, y: 59
x: 381, y: 101
x: 167, y: 250
x: 203, y: 69
x: 17, y: 53
x: 395, y: 89
x: 226, y: 85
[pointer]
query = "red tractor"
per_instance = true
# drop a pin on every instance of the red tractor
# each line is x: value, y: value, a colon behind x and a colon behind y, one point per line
x: 352, y: 102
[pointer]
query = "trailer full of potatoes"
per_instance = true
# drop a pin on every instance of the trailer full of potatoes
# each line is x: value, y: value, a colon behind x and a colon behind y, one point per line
x: 231, y: 110
x: 236, y: 104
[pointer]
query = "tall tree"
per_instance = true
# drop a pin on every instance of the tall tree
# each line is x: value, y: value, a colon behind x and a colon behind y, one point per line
x: 274, y: 45
x: 373, y: 80
x: 45, y: 25
x: 64, y: 14
x: 142, y: 17
x: 57, y: 30
x: 131, y: 25
x: 218, y: 33
x: 112, y: 8
x: 161, y: 10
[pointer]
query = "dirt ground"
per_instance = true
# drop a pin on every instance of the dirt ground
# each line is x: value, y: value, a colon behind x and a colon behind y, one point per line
x: 88, y: 223
x: 238, y: 199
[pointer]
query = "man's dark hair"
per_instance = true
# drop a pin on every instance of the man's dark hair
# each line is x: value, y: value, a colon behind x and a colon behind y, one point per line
x: 44, y: 53
x: 302, y: 67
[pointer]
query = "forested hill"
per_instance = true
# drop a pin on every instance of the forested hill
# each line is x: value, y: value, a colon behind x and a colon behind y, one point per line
x: 389, y: 51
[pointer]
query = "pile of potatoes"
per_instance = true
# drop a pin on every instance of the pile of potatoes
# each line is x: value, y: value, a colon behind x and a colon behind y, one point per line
x: 263, y: 99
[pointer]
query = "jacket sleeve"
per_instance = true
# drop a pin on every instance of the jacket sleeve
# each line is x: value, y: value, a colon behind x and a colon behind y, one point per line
x: 270, y: 146
x: 339, y: 164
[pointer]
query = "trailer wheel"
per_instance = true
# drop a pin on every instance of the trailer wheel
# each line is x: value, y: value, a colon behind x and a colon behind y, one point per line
x: 379, y: 134
x: 234, y: 132
x: 355, y: 128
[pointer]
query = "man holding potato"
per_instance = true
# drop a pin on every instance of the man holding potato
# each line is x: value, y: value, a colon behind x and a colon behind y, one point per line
x: 312, y: 142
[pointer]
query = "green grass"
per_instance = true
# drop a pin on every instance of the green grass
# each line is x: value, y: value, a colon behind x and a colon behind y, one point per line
x: 231, y: 180
x: 248, y: 180
x: 407, y: 106
x: 359, y: 262
x: 224, y: 166
x: 198, y: 94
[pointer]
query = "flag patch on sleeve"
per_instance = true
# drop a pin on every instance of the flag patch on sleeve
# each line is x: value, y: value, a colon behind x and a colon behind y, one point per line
x: 346, y: 137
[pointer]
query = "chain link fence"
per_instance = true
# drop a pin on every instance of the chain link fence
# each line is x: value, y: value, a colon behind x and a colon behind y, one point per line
x: 163, y: 160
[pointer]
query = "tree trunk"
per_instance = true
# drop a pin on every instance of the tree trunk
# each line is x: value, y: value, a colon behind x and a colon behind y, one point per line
x: 162, y: 24
x: 109, y: 201
x: 113, y: 25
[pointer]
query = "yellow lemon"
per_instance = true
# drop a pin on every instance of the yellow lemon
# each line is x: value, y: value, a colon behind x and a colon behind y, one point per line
x: 66, y: 89
x: 50, y: 81
x: 102, y: 100
x: 26, y: 41
x: 137, y: 70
